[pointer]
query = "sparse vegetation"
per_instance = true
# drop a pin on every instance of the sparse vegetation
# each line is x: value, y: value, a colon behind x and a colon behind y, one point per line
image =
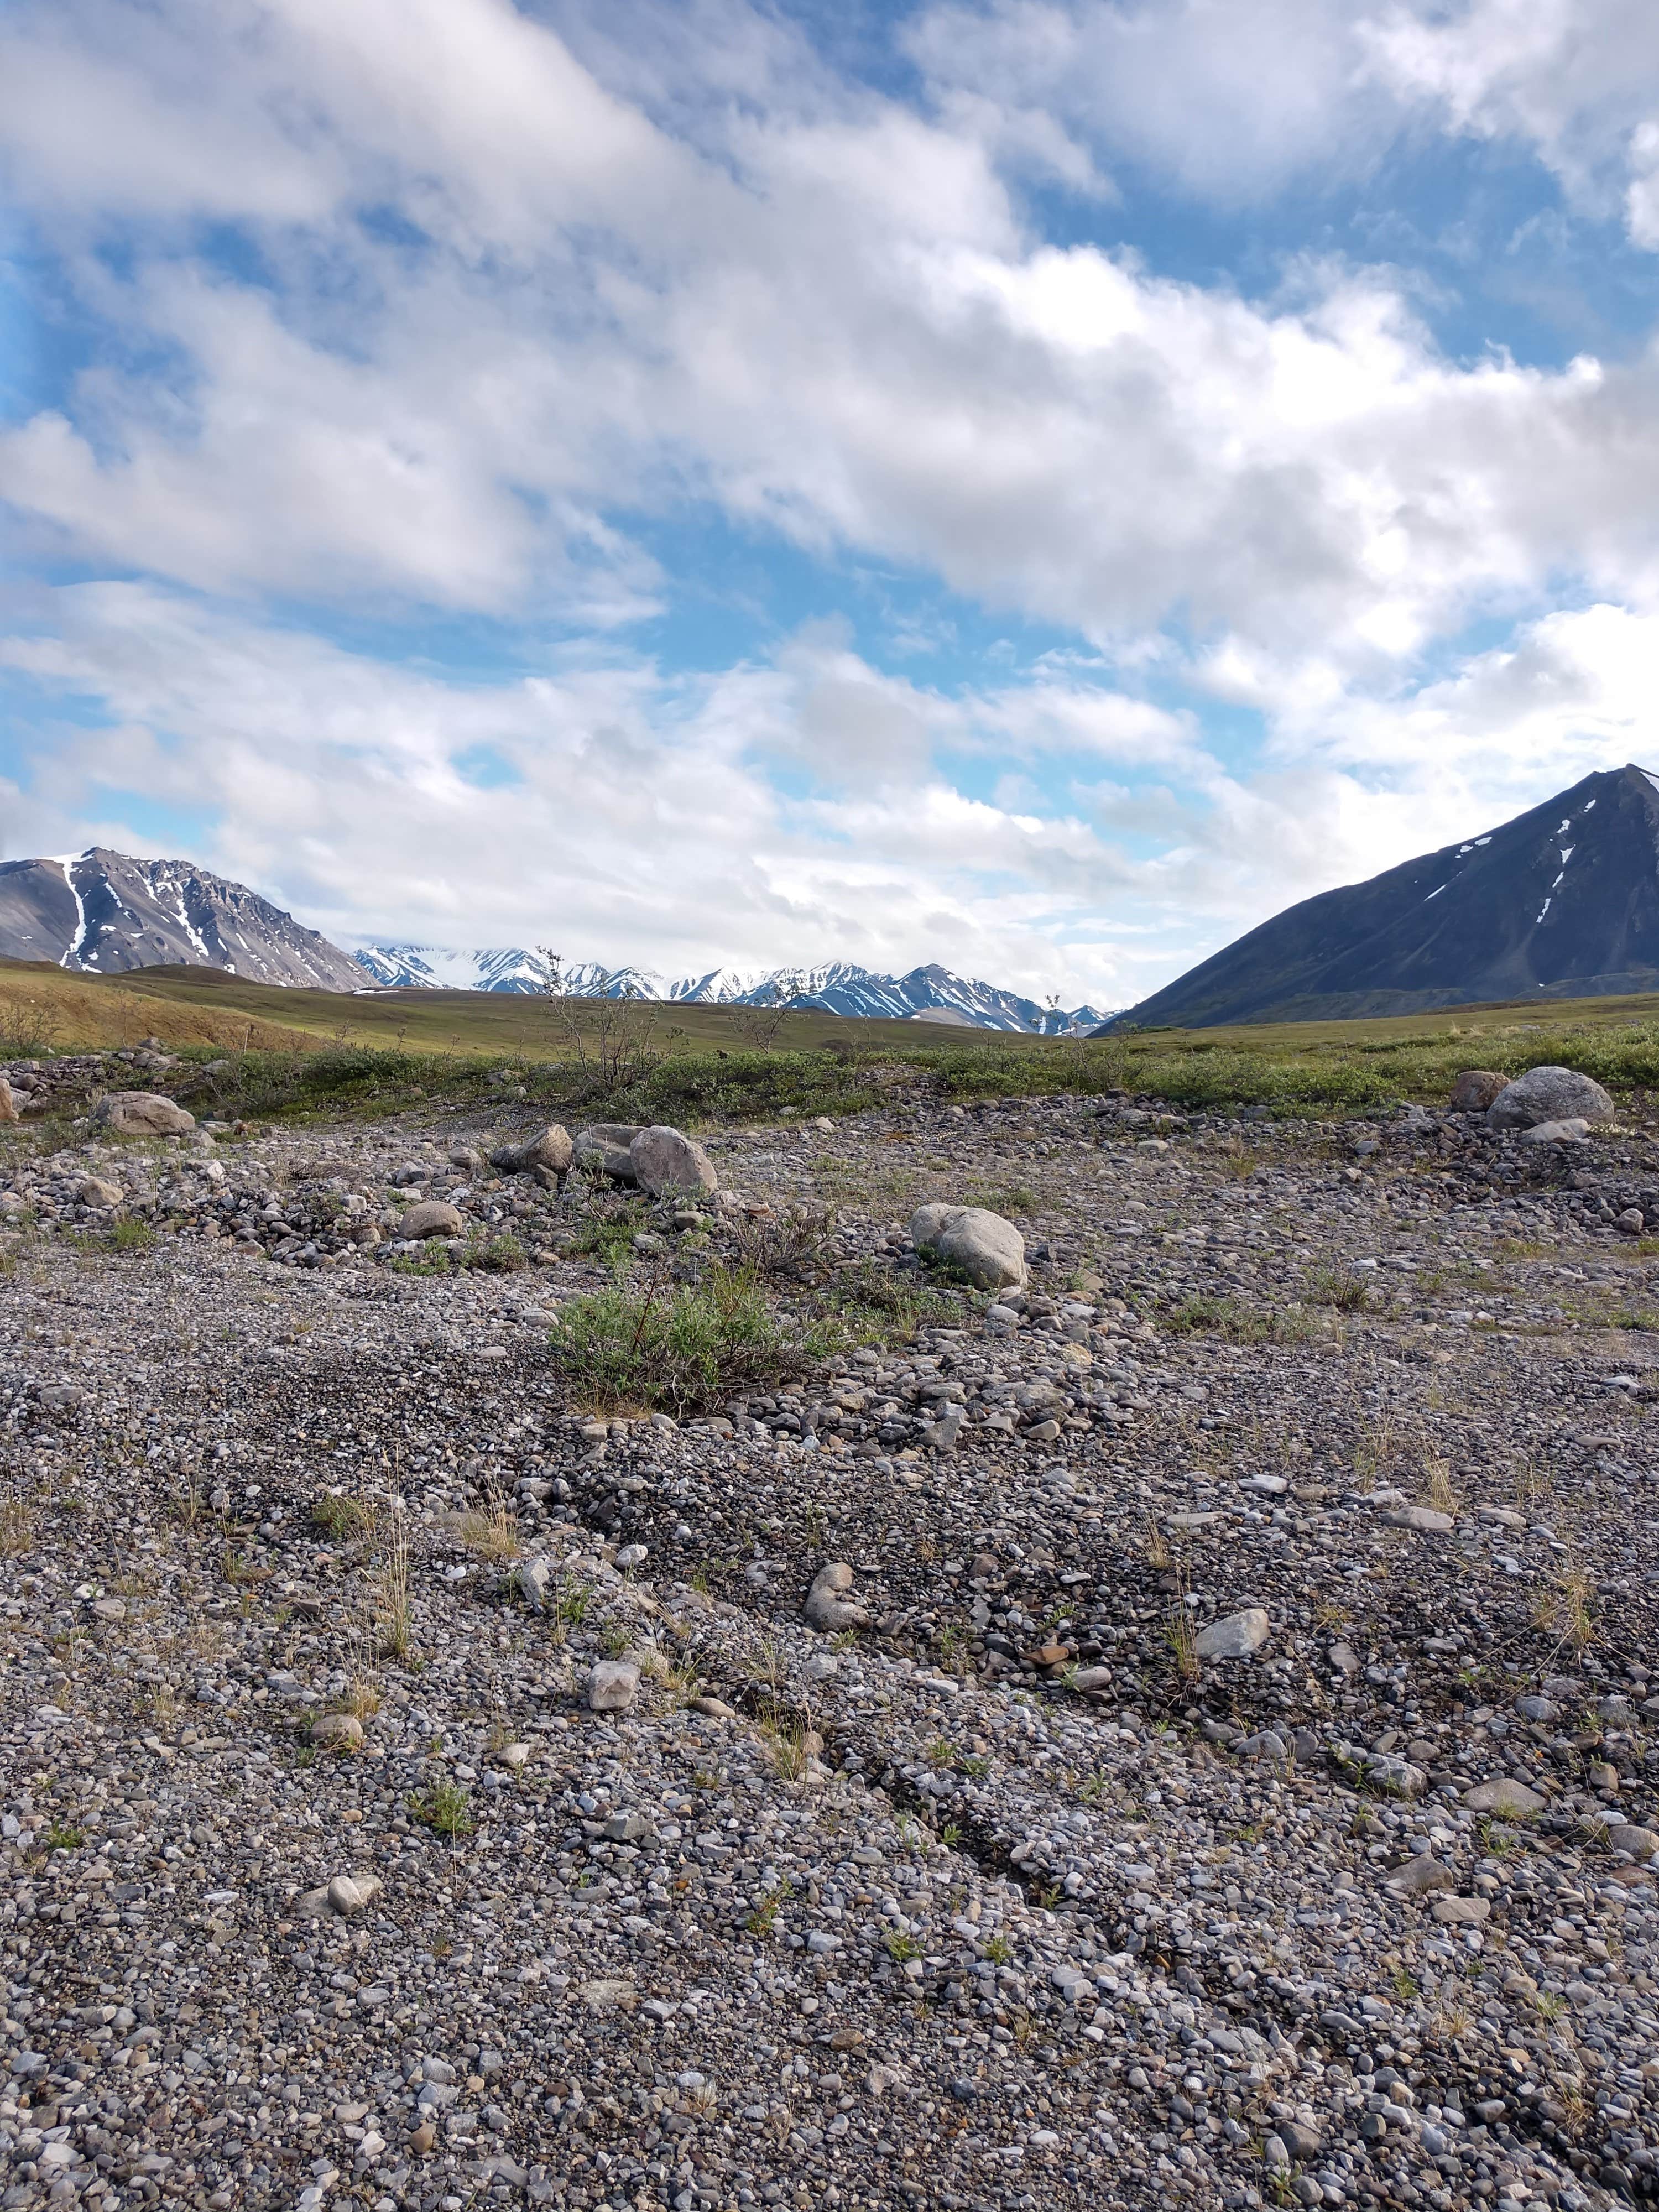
x: 443, y: 1808
x: 682, y: 1346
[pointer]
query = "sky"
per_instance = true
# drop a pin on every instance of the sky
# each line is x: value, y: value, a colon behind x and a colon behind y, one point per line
x: 1034, y: 484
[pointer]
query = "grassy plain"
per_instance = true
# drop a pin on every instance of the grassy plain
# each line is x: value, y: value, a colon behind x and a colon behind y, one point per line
x: 291, y: 1049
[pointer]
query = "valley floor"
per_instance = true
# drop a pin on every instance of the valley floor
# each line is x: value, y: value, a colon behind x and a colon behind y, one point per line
x: 1005, y: 1894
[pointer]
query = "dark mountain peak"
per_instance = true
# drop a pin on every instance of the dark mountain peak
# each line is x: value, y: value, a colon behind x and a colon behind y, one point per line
x: 104, y: 913
x: 1563, y: 900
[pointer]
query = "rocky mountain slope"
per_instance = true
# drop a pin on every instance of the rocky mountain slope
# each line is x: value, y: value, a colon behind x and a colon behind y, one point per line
x: 1562, y: 902
x: 837, y: 987
x: 104, y: 913
x: 1232, y: 1785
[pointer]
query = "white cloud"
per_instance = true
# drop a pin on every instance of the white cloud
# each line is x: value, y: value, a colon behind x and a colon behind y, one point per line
x: 840, y: 330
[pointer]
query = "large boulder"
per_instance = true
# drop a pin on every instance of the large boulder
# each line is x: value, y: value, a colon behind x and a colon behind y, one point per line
x: 665, y: 1160
x: 1549, y: 1094
x: 602, y: 1148
x: 549, y: 1152
x: 142, y: 1113
x: 8, y: 1104
x: 990, y: 1251
x: 432, y: 1216
x: 1475, y: 1089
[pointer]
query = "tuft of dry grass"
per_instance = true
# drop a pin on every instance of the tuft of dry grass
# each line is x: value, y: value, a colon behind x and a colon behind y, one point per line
x: 17, y: 1527
x: 491, y: 1531
x: 1438, y: 1489
x: 1566, y: 1610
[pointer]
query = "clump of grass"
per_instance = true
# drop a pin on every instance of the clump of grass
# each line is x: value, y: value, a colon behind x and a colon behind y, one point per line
x: 764, y: 1920
x: 682, y: 1347
x: 131, y: 1236
x: 1339, y: 1289
x: 17, y: 1527
x: 1438, y: 1489
x: 491, y: 1531
x: 788, y: 1744
x: 1566, y: 1610
x: 339, y: 1516
x: 443, y: 1808
x: 1181, y: 1637
x: 497, y: 1256
x: 1238, y: 1323
x: 877, y: 1308
x: 785, y: 1240
x: 62, y: 1838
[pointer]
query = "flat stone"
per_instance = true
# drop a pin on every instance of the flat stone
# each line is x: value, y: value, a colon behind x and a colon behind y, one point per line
x: 1422, y: 1518
x: 1421, y: 1875
x: 1236, y: 1636
x: 1463, y: 1912
x: 1503, y: 1795
x: 1627, y: 1836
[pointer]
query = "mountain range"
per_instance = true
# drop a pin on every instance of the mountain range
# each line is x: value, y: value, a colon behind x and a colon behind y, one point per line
x: 1563, y: 902
x: 104, y: 912
x: 926, y: 993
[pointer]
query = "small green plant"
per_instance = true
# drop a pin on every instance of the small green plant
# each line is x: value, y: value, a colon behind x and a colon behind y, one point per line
x: 131, y: 1236
x: 764, y: 1920
x: 443, y: 1808
x: 951, y: 1834
x: 685, y: 1347
x: 941, y: 1752
x: 998, y: 1949
x: 340, y: 1517
x: 901, y: 1948
x: 60, y: 1838
x: 1339, y: 1289
x: 503, y: 1254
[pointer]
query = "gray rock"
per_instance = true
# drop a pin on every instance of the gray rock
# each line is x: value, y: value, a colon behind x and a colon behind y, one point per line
x: 1463, y: 1912
x: 1236, y: 1636
x: 1503, y: 1795
x: 1556, y: 1132
x: 990, y: 1251
x: 8, y: 1102
x: 613, y: 1685
x: 336, y: 1731
x: 1424, y: 1518
x: 1549, y: 1094
x: 141, y: 1114
x: 604, y: 1148
x: 665, y: 1160
x: 1420, y: 1875
x: 1476, y: 1090
x: 1536, y: 1709
x: 826, y: 1607
x: 1302, y: 2143
x: 432, y: 1216
x: 346, y: 1894
x: 550, y: 1151
x: 1626, y: 1836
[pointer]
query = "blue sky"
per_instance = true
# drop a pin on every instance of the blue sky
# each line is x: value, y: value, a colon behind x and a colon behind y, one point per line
x: 1033, y: 484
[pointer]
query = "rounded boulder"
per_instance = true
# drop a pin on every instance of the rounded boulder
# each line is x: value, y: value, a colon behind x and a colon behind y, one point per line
x: 432, y: 1216
x: 1475, y: 1089
x: 1549, y: 1094
x: 142, y: 1113
x: 665, y: 1160
x: 990, y: 1251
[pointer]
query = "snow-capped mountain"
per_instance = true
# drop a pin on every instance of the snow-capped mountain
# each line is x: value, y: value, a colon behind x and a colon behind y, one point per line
x: 104, y: 913
x: 931, y: 992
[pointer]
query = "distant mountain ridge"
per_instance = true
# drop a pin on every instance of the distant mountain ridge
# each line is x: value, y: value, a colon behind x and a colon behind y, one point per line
x: 1562, y: 902
x: 105, y: 914
x: 928, y: 993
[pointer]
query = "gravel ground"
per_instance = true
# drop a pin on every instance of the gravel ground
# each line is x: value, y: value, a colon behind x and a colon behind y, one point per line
x: 327, y: 1884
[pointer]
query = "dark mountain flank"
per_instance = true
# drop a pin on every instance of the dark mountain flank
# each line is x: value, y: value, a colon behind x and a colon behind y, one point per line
x: 1562, y: 902
x: 104, y: 913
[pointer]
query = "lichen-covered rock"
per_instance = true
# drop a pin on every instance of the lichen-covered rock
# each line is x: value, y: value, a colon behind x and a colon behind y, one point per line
x: 142, y: 1113
x: 990, y: 1251
x: 1475, y: 1089
x: 1549, y: 1094
x: 432, y: 1216
x: 665, y: 1160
